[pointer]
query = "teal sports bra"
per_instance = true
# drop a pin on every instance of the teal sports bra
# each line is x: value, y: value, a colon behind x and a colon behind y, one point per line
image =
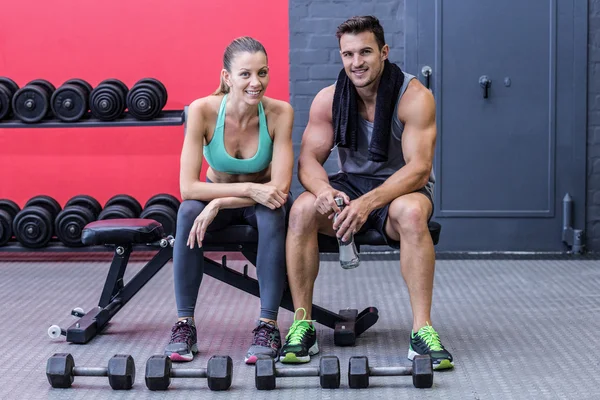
x: 217, y: 157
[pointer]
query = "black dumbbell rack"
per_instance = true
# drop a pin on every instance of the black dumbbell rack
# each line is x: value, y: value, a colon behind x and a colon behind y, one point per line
x: 166, y: 118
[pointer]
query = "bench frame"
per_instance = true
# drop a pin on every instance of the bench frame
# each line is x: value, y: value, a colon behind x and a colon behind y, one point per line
x: 348, y: 324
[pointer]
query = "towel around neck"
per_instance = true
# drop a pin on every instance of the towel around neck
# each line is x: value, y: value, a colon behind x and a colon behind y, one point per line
x: 345, y: 111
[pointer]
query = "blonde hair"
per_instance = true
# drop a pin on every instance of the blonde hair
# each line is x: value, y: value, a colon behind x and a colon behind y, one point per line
x: 239, y: 45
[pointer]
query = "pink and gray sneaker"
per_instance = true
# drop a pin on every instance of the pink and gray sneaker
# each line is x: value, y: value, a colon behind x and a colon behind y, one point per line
x: 183, y: 343
x: 266, y: 342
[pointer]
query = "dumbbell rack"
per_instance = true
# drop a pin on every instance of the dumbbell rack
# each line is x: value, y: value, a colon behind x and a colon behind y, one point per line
x: 166, y: 118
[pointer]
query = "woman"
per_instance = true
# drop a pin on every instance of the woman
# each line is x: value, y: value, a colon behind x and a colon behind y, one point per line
x: 246, y: 139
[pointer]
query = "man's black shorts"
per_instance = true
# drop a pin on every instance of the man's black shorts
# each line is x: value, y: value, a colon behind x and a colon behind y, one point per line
x: 355, y: 186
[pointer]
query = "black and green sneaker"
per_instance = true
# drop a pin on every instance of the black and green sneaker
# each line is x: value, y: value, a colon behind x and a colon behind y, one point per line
x: 427, y: 341
x: 300, y: 342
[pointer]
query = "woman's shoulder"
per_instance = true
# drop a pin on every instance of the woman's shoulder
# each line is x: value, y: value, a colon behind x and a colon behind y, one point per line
x: 277, y: 107
x: 205, y: 106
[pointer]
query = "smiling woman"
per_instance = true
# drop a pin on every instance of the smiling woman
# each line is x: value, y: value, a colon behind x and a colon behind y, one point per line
x: 246, y: 138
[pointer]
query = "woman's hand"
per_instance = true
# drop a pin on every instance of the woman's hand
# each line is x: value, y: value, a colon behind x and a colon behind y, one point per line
x: 267, y: 195
x: 201, y: 223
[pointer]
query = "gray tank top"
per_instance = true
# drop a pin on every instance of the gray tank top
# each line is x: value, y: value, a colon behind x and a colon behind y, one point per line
x: 357, y: 162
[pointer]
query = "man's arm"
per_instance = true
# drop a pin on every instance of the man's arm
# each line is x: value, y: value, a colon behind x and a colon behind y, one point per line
x: 418, y: 147
x: 317, y: 142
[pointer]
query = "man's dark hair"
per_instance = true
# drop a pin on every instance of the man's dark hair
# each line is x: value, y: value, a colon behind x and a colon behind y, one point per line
x: 361, y: 24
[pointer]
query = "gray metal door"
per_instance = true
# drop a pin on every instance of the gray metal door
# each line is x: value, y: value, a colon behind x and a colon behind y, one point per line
x: 509, y: 78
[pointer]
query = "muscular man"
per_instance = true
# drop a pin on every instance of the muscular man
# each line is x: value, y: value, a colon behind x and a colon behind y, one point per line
x: 382, y: 121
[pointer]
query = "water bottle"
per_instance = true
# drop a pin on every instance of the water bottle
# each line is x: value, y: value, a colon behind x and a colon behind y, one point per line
x: 348, y: 253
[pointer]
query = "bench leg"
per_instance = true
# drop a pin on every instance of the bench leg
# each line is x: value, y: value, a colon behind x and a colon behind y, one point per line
x: 346, y: 333
x: 115, y: 295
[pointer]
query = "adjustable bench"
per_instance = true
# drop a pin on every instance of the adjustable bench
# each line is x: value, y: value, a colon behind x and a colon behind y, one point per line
x: 123, y: 234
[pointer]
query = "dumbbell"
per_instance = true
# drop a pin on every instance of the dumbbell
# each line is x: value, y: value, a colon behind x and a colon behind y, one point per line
x: 328, y: 372
x: 421, y: 372
x: 61, y: 370
x: 218, y: 372
x: 33, y: 226
x: 8, y: 210
x: 8, y: 88
x: 146, y: 99
x: 70, y: 102
x: 163, y: 208
x: 121, y: 206
x: 78, y: 212
x: 31, y: 103
x: 108, y: 99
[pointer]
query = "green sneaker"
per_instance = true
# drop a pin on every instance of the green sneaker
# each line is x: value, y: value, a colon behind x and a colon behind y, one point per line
x: 427, y: 341
x: 300, y: 342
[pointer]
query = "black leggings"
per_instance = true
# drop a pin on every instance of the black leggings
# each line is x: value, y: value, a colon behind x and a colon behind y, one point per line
x: 188, y: 264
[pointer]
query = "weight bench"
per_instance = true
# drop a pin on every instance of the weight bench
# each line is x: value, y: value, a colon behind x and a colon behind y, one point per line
x: 124, y: 234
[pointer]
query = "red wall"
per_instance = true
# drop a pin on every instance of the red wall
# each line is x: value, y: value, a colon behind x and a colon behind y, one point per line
x: 179, y: 42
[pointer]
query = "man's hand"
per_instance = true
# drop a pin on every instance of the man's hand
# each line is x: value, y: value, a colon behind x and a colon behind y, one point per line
x: 325, y: 203
x: 201, y: 223
x: 267, y: 195
x: 351, y: 219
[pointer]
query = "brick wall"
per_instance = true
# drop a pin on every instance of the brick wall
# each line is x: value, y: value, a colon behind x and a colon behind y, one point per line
x: 315, y: 63
x: 593, y: 153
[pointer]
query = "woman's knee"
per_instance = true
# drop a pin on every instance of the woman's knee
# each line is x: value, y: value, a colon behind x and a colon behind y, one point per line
x: 188, y: 211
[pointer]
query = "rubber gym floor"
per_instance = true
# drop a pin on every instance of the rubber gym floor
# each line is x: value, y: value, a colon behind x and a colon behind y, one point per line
x: 518, y: 329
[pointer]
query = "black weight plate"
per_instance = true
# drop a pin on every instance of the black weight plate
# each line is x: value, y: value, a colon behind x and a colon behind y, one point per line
x: 106, y: 102
x: 119, y: 83
x: 10, y: 84
x: 5, y: 102
x: 159, y: 84
x: 46, y: 202
x: 10, y: 207
x: 143, y: 101
x: 31, y: 104
x: 5, y: 227
x: 115, y: 211
x: 81, y: 83
x: 33, y: 227
x: 43, y: 83
x: 165, y: 199
x: 126, y: 201
x: 83, y: 200
x: 163, y: 214
x: 69, y: 224
x: 69, y: 103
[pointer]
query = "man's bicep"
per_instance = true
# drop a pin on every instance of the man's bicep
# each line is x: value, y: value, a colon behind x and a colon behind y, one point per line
x: 419, y: 136
x: 317, y: 140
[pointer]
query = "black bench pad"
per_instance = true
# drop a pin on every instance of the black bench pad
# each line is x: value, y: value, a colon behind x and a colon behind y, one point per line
x: 132, y: 231
x: 122, y: 231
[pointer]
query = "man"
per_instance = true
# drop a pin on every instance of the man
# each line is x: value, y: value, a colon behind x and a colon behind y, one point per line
x: 382, y: 121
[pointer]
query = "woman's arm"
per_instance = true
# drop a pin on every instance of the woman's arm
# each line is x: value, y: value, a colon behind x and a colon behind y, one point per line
x: 282, y: 164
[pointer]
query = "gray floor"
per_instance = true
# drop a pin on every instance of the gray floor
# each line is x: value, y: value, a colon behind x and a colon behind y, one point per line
x: 519, y: 329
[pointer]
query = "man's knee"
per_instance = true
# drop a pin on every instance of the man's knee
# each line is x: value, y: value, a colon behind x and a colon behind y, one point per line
x: 409, y: 214
x: 303, y: 214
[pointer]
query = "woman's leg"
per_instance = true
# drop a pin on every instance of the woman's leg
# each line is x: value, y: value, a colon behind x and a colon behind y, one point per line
x: 188, y: 268
x: 271, y: 273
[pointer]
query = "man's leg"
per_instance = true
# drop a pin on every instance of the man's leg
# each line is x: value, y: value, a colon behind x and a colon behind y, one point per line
x: 302, y: 255
x: 407, y: 222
